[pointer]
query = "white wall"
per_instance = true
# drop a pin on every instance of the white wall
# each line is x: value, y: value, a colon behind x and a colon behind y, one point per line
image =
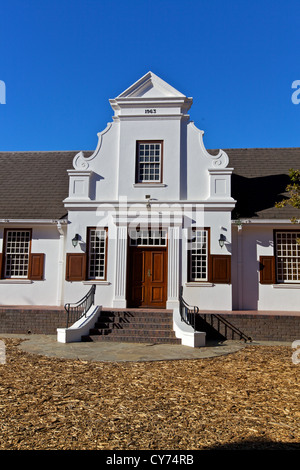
x: 251, y: 242
x: 209, y: 296
x: 79, y: 221
x: 167, y: 130
x: 45, y: 239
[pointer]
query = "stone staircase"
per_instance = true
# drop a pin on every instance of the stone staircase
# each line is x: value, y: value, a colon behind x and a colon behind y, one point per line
x: 135, y: 326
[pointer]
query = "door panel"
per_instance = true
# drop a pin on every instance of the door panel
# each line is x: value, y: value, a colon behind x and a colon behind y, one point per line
x: 156, y: 294
x: 137, y: 275
x: 138, y: 295
x: 157, y: 266
x: 157, y: 284
x: 138, y: 263
x: 147, y: 277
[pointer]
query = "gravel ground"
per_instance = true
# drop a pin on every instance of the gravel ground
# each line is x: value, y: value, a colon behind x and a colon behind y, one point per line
x: 245, y: 400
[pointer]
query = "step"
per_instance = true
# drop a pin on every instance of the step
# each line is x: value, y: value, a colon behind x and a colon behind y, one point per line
x: 104, y: 323
x: 133, y: 325
x: 132, y: 332
x: 137, y: 315
x: 130, y: 339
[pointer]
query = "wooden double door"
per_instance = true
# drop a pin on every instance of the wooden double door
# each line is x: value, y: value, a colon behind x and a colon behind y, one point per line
x: 147, y: 277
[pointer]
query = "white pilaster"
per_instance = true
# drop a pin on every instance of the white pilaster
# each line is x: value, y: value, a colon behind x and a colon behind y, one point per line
x: 119, y: 300
x: 173, y: 268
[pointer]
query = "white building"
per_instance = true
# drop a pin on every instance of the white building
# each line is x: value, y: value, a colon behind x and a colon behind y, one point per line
x: 150, y: 210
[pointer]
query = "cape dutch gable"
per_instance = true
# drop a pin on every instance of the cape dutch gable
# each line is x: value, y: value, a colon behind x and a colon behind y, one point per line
x: 153, y: 155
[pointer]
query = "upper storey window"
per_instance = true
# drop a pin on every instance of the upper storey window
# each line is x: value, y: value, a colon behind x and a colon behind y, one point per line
x: 149, y: 162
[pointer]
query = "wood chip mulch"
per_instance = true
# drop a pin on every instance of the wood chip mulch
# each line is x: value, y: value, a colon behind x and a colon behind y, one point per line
x: 246, y: 400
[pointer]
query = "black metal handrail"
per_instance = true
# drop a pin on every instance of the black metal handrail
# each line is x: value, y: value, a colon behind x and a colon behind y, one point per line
x: 79, y: 309
x: 189, y: 315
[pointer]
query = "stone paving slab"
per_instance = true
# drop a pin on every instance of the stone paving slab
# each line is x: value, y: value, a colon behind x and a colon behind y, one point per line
x: 47, y: 345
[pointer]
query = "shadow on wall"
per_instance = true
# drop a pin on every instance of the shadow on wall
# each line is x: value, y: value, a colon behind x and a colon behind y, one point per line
x: 254, y: 195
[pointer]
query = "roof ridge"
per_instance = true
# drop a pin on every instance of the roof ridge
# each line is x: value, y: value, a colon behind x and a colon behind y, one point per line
x: 42, y: 151
x: 209, y: 149
x: 258, y: 148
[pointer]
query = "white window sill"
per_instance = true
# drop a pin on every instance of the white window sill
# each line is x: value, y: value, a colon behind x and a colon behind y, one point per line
x: 16, y: 281
x: 149, y: 185
x: 199, y: 284
x: 96, y: 282
x: 286, y: 286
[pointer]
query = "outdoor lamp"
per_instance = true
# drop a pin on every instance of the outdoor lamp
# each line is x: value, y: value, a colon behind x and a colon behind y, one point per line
x: 222, y: 240
x: 75, y: 240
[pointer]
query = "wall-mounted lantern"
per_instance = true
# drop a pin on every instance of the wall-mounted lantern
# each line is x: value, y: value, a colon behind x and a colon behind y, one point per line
x: 222, y: 240
x: 75, y: 240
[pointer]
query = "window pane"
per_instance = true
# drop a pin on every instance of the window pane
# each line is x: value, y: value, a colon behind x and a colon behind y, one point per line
x: 148, y: 237
x: 149, y: 162
x: 287, y: 256
x: 17, y: 253
x: 96, y: 256
x: 199, y: 256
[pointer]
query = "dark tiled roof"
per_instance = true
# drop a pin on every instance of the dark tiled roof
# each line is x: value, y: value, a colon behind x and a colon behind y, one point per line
x: 34, y: 184
x: 259, y: 180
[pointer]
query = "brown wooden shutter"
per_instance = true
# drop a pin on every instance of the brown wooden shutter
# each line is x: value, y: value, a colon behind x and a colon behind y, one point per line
x: 0, y: 265
x: 267, y: 270
x: 36, y: 266
x: 76, y: 266
x: 220, y: 269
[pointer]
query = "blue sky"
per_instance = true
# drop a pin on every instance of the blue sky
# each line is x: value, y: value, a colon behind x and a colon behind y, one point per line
x: 62, y: 60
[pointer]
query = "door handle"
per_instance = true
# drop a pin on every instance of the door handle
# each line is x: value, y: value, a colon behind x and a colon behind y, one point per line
x: 149, y: 273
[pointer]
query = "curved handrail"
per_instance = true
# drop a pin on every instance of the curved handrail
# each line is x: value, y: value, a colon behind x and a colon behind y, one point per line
x: 79, y: 309
x: 187, y: 313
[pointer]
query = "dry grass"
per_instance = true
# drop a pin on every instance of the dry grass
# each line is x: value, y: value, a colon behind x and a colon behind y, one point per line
x: 249, y: 399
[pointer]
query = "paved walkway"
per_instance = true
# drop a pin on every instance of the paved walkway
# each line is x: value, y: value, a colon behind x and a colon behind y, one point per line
x: 47, y: 345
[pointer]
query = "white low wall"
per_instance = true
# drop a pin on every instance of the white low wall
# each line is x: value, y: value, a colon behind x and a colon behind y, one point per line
x: 189, y: 337
x: 80, y: 328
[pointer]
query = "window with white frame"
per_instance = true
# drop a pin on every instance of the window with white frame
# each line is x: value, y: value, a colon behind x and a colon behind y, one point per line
x: 145, y: 237
x: 97, y: 242
x: 149, y: 162
x: 17, y: 253
x: 287, y: 256
x: 198, y: 255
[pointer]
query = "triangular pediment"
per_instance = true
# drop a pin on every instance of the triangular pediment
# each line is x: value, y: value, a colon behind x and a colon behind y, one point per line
x: 151, y: 86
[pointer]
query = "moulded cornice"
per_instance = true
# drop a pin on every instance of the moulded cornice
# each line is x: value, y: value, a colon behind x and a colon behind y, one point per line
x: 162, y: 206
x: 34, y: 221
x: 140, y: 117
x: 273, y: 222
x: 183, y: 104
x: 144, y: 100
